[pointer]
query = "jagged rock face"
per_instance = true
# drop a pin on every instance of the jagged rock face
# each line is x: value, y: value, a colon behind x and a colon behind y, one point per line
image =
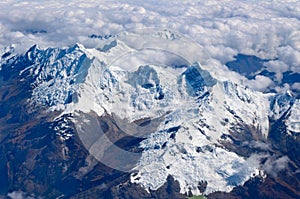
x: 183, y: 131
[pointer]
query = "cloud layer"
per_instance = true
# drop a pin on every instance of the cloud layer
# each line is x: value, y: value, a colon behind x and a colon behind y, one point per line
x: 267, y: 29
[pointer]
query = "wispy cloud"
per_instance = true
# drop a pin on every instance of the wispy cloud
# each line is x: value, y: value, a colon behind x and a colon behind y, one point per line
x: 273, y: 166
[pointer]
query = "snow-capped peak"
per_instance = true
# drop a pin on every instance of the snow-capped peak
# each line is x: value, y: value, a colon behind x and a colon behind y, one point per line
x: 198, y: 113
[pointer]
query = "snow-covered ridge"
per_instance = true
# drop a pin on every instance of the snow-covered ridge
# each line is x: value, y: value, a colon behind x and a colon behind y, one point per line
x: 198, y: 110
x: 293, y: 122
x: 54, y: 73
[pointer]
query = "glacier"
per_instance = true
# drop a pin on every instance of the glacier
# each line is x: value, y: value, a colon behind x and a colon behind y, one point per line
x: 198, y: 112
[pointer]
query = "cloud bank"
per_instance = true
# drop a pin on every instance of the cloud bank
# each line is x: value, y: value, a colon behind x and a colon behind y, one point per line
x: 267, y: 29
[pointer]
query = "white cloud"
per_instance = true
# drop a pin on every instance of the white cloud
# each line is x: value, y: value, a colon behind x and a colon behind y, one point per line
x: 268, y: 29
x: 269, y: 163
x: 260, y: 83
x: 282, y: 89
x: 296, y: 86
x: 278, y: 67
x: 290, y: 56
x: 19, y: 195
x: 257, y: 145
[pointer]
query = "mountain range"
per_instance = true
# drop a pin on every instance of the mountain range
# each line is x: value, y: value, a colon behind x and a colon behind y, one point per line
x: 124, y: 122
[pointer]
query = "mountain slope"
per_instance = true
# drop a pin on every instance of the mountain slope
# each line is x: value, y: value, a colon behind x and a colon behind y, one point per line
x: 208, y: 135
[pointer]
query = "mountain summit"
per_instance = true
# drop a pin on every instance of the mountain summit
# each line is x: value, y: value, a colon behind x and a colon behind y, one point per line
x: 209, y: 135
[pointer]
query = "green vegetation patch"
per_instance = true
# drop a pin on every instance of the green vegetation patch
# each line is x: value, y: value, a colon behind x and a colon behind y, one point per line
x: 197, y: 197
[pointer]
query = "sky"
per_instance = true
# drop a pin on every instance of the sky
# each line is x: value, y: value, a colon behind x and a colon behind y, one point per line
x: 268, y: 29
